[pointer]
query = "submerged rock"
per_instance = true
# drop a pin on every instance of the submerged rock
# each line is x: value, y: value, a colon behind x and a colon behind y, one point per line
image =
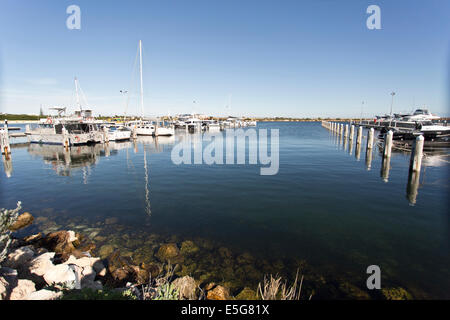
x: 247, y: 294
x: 167, y: 252
x: 112, y: 220
x: 353, y: 292
x: 188, y: 248
x: 24, y: 220
x: 396, y: 294
x: 225, y: 253
x: 152, y: 269
x: 106, y: 250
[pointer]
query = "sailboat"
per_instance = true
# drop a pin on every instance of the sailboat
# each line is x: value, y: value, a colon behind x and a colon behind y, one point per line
x: 141, y: 127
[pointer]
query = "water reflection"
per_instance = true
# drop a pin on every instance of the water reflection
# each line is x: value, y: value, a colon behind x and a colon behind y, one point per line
x: 412, y: 187
x: 369, y: 159
x: 385, y: 168
x: 63, y: 161
x: 358, y: 151
x: 7, y: 165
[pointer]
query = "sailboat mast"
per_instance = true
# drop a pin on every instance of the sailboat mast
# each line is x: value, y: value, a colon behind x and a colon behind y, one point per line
x: 78, y: 95
x: 140, y: 71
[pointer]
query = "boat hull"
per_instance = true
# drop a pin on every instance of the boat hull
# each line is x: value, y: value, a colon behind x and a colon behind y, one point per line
x: 58, y: 139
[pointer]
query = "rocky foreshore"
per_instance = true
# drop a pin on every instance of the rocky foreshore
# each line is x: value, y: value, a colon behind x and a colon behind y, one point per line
x: 65, y: 264
x: 60, y: 263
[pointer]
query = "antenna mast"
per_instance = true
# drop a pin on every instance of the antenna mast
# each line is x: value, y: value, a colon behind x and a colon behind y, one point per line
x: 140, y: 71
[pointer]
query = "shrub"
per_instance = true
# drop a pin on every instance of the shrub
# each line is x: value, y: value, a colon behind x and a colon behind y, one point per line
x: 7, y: 219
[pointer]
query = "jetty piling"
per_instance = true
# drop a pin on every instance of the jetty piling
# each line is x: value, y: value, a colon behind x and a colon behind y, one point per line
x: 370, y: 139
x: 352, y: 132
x: 359, y: 136
x: 105, y: 135
x: 346, y: 131
x: 416, y: 154
x: 388, y: 144
x: 358, y: 151
x: 4, y: 139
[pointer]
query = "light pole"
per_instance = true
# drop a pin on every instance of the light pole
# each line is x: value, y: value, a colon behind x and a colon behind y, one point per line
x: 124, y: 93
x: 362, y: 106
x: 392, y: 102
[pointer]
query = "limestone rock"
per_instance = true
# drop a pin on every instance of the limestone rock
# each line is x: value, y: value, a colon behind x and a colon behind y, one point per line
x: 8, y: 280
x: 19, y: 257
x: 33, y: 238
x: 24, y: 220
x: 42, y: 263
x: 22, y: 290
x: 3, y: 290
x: 44, y: 294
x: 60, y: 242
x: 60, y: 274
x: 218, y: 293
x: 186, y: 287
x: 94, y: 285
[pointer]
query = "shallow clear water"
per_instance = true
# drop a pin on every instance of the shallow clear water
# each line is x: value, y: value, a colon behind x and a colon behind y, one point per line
x: 324, y: 205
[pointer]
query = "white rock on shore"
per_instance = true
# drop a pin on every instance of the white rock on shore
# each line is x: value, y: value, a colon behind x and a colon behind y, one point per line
x: 60, y: 274
x: 42, y: 263
x: 44, y: 294
x: 19, y: 257
x: 22, y: 290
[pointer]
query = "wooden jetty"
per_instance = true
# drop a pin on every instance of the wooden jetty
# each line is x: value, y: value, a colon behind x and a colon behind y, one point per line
x: 386, y: 145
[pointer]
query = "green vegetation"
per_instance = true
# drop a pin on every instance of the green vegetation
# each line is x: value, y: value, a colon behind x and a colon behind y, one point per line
x: 167, y: 292
x: 7, y: 219
x: 91, y: 294
x: 15, y: 117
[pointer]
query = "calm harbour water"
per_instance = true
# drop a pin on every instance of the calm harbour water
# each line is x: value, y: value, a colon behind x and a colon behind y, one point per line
x: 324, y: 205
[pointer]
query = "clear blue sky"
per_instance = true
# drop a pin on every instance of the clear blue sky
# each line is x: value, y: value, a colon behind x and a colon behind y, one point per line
x: 275, y: 58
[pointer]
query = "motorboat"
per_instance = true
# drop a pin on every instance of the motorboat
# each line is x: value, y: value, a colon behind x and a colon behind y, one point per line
x: 142, y: 127
x: 64, y: 132
x: 118, y: 132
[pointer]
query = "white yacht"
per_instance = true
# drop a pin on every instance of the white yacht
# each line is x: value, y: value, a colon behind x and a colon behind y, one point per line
x: 164, y: 131
x: 142, y: 127
x: 64, y: 132
x: 118, y: 132
x: 420, y: 114
x: 212, y: 125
